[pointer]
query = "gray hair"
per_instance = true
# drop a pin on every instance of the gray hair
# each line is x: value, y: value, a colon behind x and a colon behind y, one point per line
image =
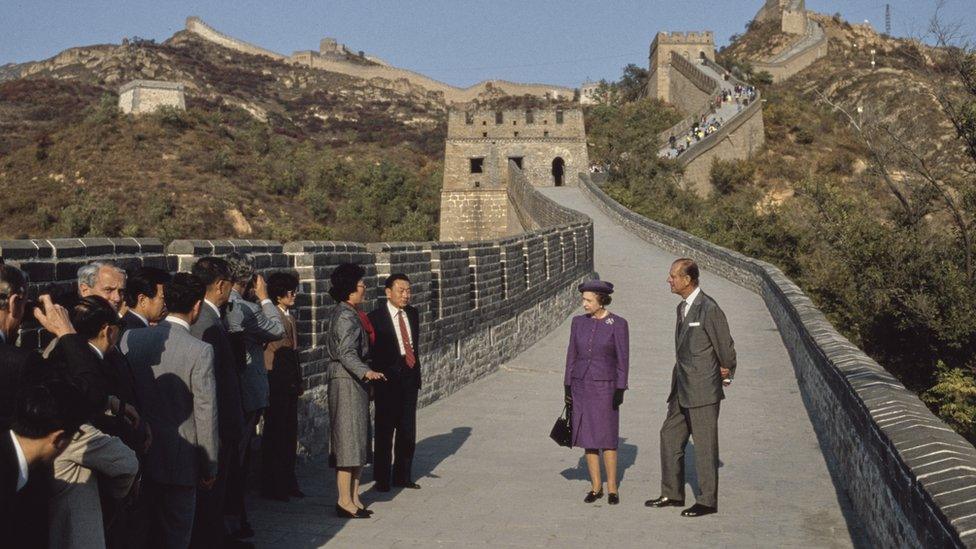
x: 241, y: 267
x: 88, y: 274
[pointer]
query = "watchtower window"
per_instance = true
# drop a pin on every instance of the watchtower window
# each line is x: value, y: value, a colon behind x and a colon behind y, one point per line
x: 545, y: 133
x: 516, y: 134
x: 515, y: 122
x: 498, y: 117
x: 484, y: 134
x: 559, y: 117
x: 529, y: 117
x: 477, y: 165
x: 484, y: 122
x: 517, y: 160
x: 468, y: 118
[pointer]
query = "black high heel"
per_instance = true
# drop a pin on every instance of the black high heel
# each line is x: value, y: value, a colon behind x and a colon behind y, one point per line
x: 613, y: 498
x: 593, y: 496
x: 342, y: 513
x: 363, y: 510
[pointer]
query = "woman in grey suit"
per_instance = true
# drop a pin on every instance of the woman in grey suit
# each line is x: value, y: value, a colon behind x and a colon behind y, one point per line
x: 347, y: 349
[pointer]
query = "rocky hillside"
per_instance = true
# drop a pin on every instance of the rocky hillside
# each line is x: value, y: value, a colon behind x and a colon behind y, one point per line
x: 264, y: 150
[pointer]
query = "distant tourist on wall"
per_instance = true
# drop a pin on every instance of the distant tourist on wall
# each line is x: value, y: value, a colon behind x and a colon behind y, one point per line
x: 280, y: 437
x: 347, y: 347
x: 597, y: 367
x: 396, y: 355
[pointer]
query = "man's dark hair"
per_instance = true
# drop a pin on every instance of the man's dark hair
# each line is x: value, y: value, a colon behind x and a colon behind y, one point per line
x: 91, y: 314
x: 144, y: 281
x: 280, y: 284
x: 344, y: 279
x: 210, y: 269
x: 50, y: 406
x: 391, y: 280
x: 182, y: 292
x: 12, y: 282
x: 688, y: 268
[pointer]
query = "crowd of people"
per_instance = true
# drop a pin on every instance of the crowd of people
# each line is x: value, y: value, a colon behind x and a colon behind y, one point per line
x: 134, y: 427
x: 708, y: 124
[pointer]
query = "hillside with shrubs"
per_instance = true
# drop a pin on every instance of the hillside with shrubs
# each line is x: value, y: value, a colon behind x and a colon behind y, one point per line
x: 264, y: 150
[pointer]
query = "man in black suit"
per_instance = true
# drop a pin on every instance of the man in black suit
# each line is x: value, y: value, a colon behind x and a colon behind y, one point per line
x: 46, y: 417
x: 14, y: 361
x: 208, y: 526
x: 144, y: 298
x: 397, y: 326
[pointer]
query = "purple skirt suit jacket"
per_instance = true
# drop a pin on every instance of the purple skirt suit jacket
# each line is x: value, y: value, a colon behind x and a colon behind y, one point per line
x: 597, y: 364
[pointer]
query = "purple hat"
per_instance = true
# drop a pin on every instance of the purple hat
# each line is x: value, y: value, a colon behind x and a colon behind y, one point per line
x: 598, y: 286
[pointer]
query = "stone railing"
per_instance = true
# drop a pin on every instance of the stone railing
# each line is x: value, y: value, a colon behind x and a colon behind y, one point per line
x: 781, y: 68
x: 686, y: 123
x: 481, y: 303
x: 701, y: 147
x: 694, y: 75
x: 909, y: 477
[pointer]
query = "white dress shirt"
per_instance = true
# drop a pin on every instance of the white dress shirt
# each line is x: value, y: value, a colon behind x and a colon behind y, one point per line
x: 689, y: 301
x: 21, y: 461
x: 178, y: 321
x: 396, y: 325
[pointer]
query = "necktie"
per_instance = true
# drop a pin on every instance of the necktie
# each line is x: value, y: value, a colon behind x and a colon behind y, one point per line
x: 681, y: 311
x: 405, y: 337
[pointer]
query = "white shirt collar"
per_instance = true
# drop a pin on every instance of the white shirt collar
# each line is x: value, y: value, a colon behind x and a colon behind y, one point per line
x: 691, y: 298
x: 21, y: 461
x: 393, y: 310
x: 212, y: 306
x: 178, y: 321
x: 140, y: 317
x: 3, y: 337
x: 98, y: 351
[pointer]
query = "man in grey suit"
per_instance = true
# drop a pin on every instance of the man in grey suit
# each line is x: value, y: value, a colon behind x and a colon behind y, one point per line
x: 705, y: 366
x: 179, y: 398
x: 250, y: 326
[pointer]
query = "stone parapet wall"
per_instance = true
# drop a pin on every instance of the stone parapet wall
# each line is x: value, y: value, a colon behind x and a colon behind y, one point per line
x: 908, y: 475
x: 784, y: 68
x: 197, y: 26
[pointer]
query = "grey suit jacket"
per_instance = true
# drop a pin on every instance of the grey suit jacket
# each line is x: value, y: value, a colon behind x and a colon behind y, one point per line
x: 347, y: 345
x: 257, y: 325
x: 210, y: 328
x: 703, y: 345
x: 179, y: 400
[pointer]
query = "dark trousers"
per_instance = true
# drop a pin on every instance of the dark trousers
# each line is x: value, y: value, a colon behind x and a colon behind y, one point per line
x: 702, y: 423
x: 172, y: 511
x: 208, y: 524
x: 279, y: 441
x: 396, y: 417
x: 239, y: 469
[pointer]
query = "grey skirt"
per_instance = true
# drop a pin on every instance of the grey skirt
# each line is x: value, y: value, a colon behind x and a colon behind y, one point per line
x: 349, y: 423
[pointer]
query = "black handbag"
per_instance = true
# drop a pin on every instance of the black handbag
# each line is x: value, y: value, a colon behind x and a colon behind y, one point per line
x: 562, y: 431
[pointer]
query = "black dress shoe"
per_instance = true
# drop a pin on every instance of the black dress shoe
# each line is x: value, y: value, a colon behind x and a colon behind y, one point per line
x: 664, y: 502
x: 613, y: 499
x: 592, y: 496
x: 381, y: 487
x: 699, y: 510
x: 411, y: 485
x: 342, y: 513
x: 364, y: 510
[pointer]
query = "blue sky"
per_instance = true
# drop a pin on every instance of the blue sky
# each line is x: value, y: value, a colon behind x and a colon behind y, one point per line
x: 457, y: 41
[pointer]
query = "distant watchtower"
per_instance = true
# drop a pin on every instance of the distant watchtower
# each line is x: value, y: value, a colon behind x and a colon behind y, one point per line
x: 143, y: 96
x: 547, y: 145
x: 791, y: 15
x: 690, y: 45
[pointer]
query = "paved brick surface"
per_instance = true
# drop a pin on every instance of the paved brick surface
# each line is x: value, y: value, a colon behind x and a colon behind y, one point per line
x: 492, y: 478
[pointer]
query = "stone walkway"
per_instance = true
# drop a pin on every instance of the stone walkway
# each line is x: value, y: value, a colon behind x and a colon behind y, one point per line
x: 492, y: 478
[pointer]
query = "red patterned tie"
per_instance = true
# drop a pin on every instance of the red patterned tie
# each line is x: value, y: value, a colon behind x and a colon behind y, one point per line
x: 405, y: 336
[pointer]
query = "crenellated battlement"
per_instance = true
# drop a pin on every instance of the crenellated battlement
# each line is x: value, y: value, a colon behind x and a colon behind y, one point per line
x: 691, y: 37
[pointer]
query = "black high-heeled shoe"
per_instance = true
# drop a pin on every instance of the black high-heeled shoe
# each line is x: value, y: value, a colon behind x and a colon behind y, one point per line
x: 364, y: 510
x: 592, y: 496
x: 342, y: 513
x: 613, y: 498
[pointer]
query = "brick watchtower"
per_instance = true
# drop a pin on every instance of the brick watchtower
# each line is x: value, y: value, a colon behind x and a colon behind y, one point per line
x: 690, y: 45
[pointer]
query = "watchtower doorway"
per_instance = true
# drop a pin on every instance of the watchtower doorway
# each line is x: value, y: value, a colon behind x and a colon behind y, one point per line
x: 558, y: 167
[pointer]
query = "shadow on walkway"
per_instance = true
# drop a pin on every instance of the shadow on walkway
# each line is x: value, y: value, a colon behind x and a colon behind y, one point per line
x: 430, y: 452
x: 626, y: 456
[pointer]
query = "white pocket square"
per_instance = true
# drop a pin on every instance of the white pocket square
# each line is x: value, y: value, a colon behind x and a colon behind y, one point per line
x: 694, y: 324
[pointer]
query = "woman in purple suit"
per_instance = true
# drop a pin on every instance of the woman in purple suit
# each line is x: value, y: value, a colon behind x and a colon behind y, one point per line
x: 596, y: 377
